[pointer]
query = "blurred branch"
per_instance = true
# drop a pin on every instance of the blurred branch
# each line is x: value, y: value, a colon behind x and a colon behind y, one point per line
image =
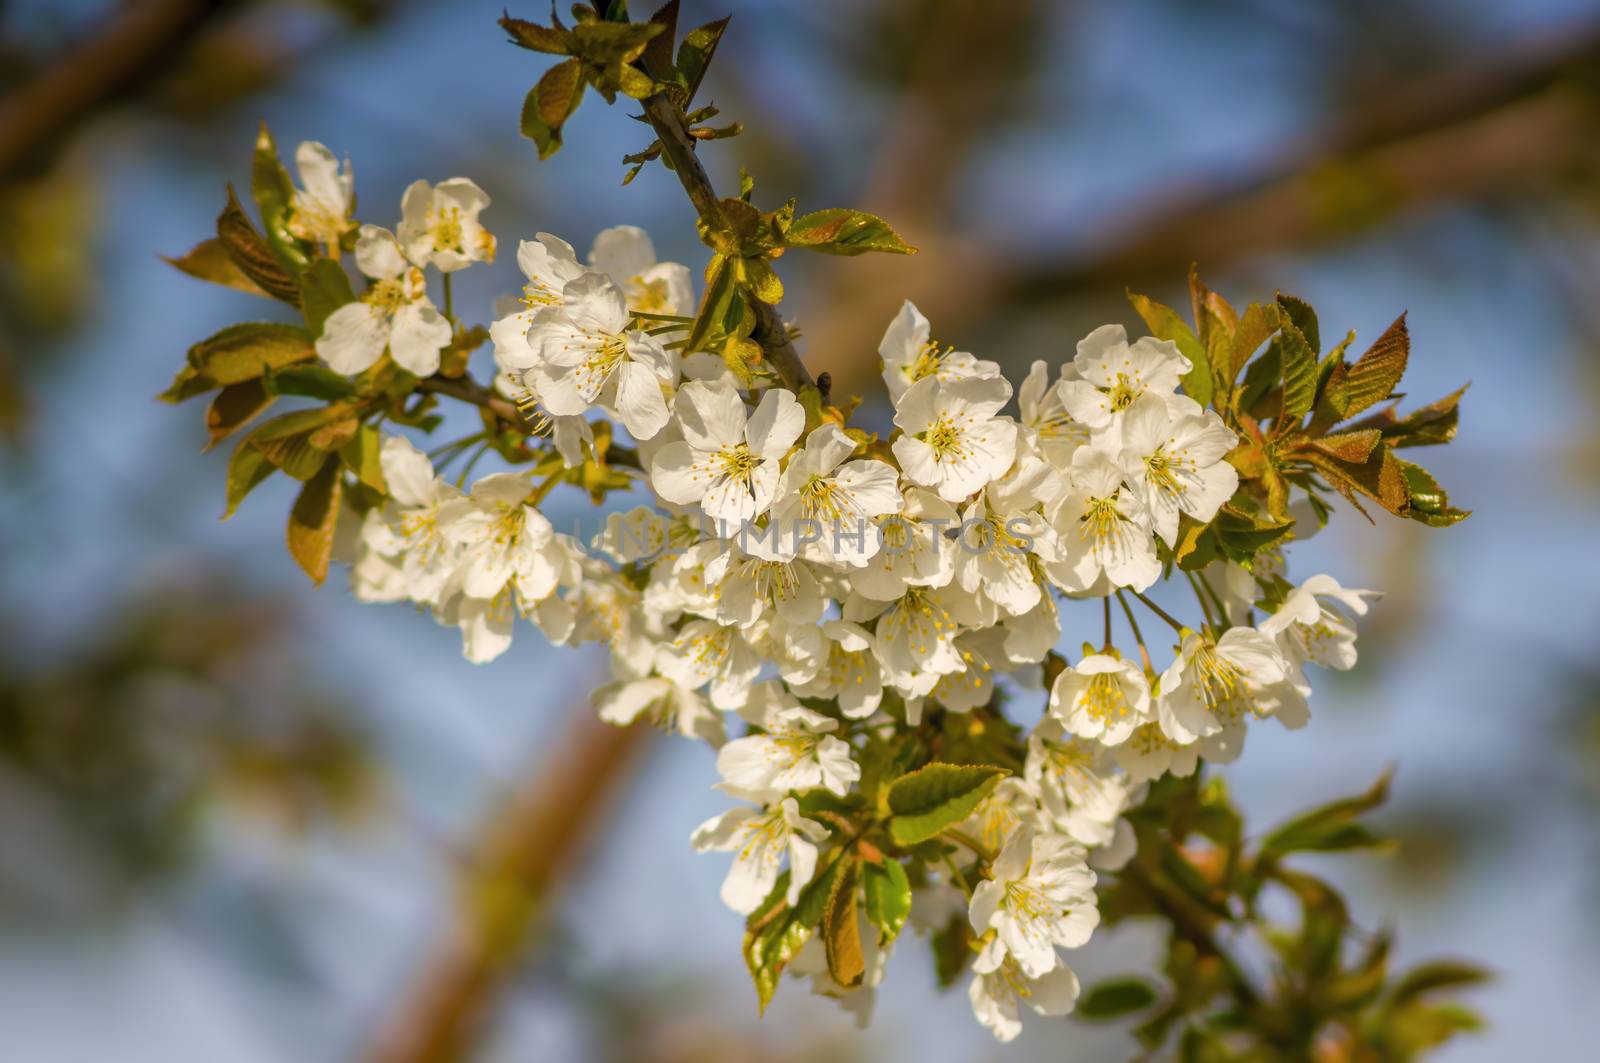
x: 1464, y: 134
x: 532, y: 840
x: 132, y: 45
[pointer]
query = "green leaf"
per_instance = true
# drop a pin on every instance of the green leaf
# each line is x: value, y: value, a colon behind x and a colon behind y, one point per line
x: 761, y: 280
x: 1374, y: 376
x: 888, y: 897
x: 209, y: 261
x: 550, y: 103
x: 1248, y: 334
x: 840, y: 231
x: 251, y: 254
x: 311, y: 380
x: 1330, y: 828
x: 722, y: 290
x: 841, y: 927
x: 657, y: 57
x: 246, y: 351
x: 952, y: 949
x: 286, y: 441
x: 1439, y: 974
x: 324, y: 288
x: 537, y: 38
x: 936, y: 796
x: 1164, y: 323
x: 234, y: 407
x: 273, y: 193
x: 1430, y: 504
x: 694, y: 54
x: 1115, y: 998
x: 363, y: 456
x: 608, y: 43
x: 246, y: 469
x: 1381, y: 478
x: 775, y: 932
x: 1299, y: 312
x: 1299, y: 367
x: 313, y: 519
x: 186, y: 384
x: 1354, y: 447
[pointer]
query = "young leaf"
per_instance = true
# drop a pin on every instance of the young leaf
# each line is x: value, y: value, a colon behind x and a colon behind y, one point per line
x: 952, y: 950
x: 234, y: 407
x: 209, y: 261
x: 251, y: 254
x: 841, y: 928
x: 286, y: 441
x: 694, y: 54
x: 775, y: 932
x: 1430, y: 504
x: 888, y: 897
x: 550, y: 103
x: 937, y: 796
x: 840, y: 231
x: 1248, y: 333
x: 312, y: 521
x: 1115, y: 998
x: 1164, y: 323
x: 534, y: 37
x: 1299, y: 367
x: 1330, y: 828
x: 246, y: 469
x: 1374, y: 376
x: 309, y: 379
x: 363, y: 457
x: 273, y: 192
x: 324, y: 288
x: 1300, y: 314
x: 246, y: 351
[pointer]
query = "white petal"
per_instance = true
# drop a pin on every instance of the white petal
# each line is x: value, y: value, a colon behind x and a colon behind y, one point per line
x: 353, y: 337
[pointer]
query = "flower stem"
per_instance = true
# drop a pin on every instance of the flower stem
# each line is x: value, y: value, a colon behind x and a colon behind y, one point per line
x: 1200, y: 596
x: 1176, y: 624
x: 1127, y: 610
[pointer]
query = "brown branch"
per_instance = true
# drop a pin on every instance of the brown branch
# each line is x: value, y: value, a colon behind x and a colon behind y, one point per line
x: 532, y: 843
x: 666, y: 118
x: 131, y: 46
x: 1469, y: 133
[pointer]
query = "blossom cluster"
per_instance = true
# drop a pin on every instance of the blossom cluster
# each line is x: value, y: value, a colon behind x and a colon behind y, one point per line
x: 795, y: 589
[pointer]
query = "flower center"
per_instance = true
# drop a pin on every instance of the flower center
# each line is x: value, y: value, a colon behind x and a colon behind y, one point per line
x: 1220, y: 683
x: 946, y: 439
x: 1100, y: 520
x: 444, y: 229
x: 1104, y: 700
x: 387, y: 295
x: 1125, y: 390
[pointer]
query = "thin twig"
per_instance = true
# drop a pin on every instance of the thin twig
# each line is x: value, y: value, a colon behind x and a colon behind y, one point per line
x: 667, y: 120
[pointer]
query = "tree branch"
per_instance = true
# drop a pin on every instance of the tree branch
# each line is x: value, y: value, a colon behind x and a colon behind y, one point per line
x: 131, y: 45
x: 678, y: 147
x: 530, y: 845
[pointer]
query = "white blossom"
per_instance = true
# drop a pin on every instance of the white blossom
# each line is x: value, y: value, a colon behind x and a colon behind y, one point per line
x: 953, y: 439
x: 1040, y: 895
x: 439, y: 225
x: 794, y: 752
x: 320, y: 208
x: 394, y: 312
x: 1112, y: 374
x: 727, y: 461
x: 909, y: 354
x: 759, y: 839
x: 1175, y: 464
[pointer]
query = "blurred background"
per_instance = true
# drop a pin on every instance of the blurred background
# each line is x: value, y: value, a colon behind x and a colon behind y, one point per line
x: 244, y: 820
